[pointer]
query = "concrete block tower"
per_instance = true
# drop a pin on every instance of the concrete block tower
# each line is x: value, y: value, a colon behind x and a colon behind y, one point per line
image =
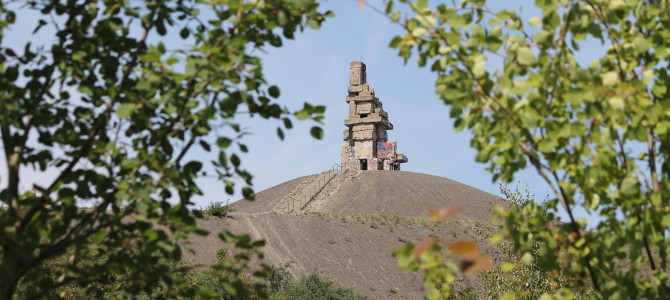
x: 367, y: 146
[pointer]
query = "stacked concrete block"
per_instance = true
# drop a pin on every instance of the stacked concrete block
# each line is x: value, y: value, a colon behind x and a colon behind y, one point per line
x: 367, y: 146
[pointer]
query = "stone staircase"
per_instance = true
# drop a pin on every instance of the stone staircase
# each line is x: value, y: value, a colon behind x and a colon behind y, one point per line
x: 307, y: 191
x: 331, y: 188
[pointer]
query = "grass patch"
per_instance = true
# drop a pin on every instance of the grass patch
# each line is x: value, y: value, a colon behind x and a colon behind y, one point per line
x: 392, y: 221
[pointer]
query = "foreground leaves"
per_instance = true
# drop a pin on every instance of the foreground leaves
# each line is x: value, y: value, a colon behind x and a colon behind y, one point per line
x: 439, y: 270
x: 579, y: 94
x: 106, y: 114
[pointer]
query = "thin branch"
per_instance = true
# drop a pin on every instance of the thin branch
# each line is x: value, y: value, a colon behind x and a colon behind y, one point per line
x: 98, y: 125
x: 193, y: 136
x: 562, y: 197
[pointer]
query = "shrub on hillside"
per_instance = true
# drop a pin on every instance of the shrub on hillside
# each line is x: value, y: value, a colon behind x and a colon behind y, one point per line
x: 279, y: 277
x: 217, y: 209
x: 315, y: 287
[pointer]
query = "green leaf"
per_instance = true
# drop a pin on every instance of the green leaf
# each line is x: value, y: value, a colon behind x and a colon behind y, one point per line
x: 11, y: 73
x: 616, y: 103
x: 314, y: 24
x: 395, y: 42
x: 99, y: 236
x: 479, y: 68
x: 535, y: 22
x: 184, y: 33
x: 204, y: 145
x: 280, y: 133
x: 610, y: 78
x: 629, y: 185
x: 223, y: 142
x: 274, y: 91
x: 235, y: 160
x: 125, y: 110
x: 525, y: 56
x: 248, y: 193
x: 547, y: 145
x: 316, y: 132
x: 302, y: 114
x: 287, y: 123
x: 641, y: 44
x: 419, y: 31
x: 665, y: 222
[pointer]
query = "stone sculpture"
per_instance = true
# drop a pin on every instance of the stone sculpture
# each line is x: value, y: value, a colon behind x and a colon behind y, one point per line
x: 367, y: 146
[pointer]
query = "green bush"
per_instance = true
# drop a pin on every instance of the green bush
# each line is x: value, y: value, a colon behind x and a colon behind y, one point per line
x: 217, y: 209
x: 227, y: 278
x: 279, y: 277
x: 314, y: 287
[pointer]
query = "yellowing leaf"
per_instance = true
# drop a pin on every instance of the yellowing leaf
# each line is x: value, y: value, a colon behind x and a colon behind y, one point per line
x: 464, y: 247
x: 444, y: 213
x: 361, y: 3
x: 425, y: 245
x: 476, y: 265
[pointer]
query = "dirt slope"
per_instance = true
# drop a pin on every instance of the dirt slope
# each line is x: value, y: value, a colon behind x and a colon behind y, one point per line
x: 352, y: 226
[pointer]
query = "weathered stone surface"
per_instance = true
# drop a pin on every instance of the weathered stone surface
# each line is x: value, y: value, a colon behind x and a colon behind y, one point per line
x: 355, y: 88
x: 365, y: 108
x: 364, y: 135
x: 369, y: 119
x: 347, y: 134
x: 382, y: 134
x: 357, y: 64
x: 359, y: 88
x: 381, y: 112
x: 352, y: 109
x: 357, y: 121
x: 362, y: 98
x: 363, y: 127
x: 357, y: 73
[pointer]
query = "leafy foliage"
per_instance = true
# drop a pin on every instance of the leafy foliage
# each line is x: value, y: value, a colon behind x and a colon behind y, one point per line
x: 439, y: 272
x: 113, y: 111
x: 226, y: 278
x: 596, y: 132
x: 217, y: 209
x: 315, y: 286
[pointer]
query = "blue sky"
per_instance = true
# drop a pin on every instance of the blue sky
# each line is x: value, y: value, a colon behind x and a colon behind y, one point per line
x: 314, y: 68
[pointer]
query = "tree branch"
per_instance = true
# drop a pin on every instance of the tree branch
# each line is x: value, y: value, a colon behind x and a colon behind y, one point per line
x: 560, y: 193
